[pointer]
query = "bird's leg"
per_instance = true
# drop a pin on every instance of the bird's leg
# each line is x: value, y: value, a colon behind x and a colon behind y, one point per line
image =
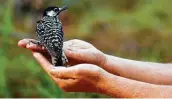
x: 41, y: 48
x: 36, y: 42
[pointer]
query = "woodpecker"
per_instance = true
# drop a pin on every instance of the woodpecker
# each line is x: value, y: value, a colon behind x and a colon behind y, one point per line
x: 50, y: 34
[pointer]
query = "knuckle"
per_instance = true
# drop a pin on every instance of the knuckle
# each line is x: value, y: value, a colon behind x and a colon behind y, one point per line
x: 75, y: 40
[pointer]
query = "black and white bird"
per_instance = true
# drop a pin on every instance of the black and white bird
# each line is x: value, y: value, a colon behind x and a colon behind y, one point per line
x: 50, y: 34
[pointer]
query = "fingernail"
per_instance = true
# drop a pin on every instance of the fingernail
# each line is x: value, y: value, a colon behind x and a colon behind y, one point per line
x: 20, y: 42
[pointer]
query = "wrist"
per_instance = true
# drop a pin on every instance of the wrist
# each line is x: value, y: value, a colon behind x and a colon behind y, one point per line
x: 108, y: 64
x: 105, y: 86
x: 103, y: 63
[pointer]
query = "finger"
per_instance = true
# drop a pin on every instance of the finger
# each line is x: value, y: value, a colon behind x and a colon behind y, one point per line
x: 73, y: 50
x: 72, y: 44
x: 73, y: 41
x: 24, y: 42
x: 64, y: 72
x: 46, y: 65
x: 74, y: 53
x: 34, y: 47
x: 77, y: 44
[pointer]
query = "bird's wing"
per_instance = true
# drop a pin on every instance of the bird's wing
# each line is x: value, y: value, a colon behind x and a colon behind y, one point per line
x: 40, y: 30
x: 44, y: 37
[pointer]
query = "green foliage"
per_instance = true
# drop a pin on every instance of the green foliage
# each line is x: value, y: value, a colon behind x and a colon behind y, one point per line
x: 136, y: 29
x: 3, y: 84
x: 7, y: 26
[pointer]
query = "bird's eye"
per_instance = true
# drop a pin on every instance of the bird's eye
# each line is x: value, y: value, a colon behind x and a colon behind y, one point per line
x: 56, y: 9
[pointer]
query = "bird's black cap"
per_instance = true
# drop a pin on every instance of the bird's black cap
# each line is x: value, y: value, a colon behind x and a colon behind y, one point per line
x: 58, y: 10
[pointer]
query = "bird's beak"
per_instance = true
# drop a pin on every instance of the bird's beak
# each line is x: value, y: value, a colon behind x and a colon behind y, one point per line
x: 63, y: 8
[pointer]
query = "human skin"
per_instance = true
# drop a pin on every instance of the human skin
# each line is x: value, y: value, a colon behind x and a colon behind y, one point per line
x: 77, y: 78
x: 91, y: 78
x: 79, y: 51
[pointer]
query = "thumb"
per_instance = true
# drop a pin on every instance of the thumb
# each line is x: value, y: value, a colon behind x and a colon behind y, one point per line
x: 74, y: 53
x: 46, y: 65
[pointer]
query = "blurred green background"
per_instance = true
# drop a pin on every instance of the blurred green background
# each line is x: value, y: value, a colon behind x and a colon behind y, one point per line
x: 135, y: 29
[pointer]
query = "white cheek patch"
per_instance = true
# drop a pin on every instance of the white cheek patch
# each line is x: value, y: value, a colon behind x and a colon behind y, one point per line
x: 51, y: 13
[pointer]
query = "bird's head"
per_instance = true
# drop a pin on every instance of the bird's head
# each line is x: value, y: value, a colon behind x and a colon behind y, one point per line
x: 54, y: 11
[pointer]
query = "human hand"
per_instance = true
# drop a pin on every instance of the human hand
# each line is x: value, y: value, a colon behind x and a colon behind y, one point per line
x: 77, y: 52
x: 78, y: 78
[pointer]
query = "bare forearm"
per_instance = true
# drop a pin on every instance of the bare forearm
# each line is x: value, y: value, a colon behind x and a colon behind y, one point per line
x: 143, y: 71
x: 116, y: 86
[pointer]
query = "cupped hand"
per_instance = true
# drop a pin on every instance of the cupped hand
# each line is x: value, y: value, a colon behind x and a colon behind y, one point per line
x: 77, y: 51
x: 78, y: 78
